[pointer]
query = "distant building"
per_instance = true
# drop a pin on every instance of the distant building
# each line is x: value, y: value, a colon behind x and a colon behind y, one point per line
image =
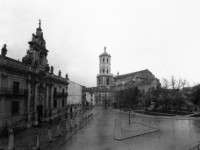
x: 108, y: 85
x: 143, y: 80
x: 30, y: 91
x: 75, y: 93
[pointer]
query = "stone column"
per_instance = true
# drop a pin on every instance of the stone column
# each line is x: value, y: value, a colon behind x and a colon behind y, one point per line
x: 3, y: 111
x: 28, y: 105
x: 51, y: 100
x: 46, y: 103
x: 36, y: 103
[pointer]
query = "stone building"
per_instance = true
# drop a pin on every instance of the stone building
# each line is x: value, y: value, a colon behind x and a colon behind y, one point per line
x: 108, y: 84
x: 30, y: 91
x: 143, y: 80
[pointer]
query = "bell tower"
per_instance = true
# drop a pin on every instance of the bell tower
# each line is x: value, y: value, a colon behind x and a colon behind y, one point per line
x: 104, y: 78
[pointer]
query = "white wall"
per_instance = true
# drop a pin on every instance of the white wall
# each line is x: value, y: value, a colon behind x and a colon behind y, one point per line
x: 90, y: 98
x: 74, y: 93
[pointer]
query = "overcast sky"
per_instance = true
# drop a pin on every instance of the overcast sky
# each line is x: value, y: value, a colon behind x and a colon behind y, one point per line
x: 161, y: 35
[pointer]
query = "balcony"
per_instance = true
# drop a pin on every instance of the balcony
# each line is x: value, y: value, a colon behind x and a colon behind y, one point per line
x: 13, y: 92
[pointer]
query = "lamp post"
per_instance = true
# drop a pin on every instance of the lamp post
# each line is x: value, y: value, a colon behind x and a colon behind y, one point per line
x: 129, y: 116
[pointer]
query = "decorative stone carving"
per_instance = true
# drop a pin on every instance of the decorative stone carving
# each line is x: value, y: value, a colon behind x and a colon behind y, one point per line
x: 51, y: 70
x: 59, y: 73
x: 28, y: 59
x: 4, y: 51
x: 66, y: 76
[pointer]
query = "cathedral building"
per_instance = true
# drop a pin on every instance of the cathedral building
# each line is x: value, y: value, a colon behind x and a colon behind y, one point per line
x: 108, y: 84
x: 30, y: 91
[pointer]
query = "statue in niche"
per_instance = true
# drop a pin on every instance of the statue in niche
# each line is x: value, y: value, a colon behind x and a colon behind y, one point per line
x: 4, y: 50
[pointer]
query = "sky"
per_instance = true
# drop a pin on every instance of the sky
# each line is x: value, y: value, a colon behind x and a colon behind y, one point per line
x: 159, y: 35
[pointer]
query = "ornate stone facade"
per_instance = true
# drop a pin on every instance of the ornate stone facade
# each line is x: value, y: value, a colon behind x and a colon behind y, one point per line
x: 30, y: 92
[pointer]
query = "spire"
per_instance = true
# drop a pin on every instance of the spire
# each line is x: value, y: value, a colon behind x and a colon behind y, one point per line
x: 105, y: 49
x: 39, y: 30
x: 39, y: 23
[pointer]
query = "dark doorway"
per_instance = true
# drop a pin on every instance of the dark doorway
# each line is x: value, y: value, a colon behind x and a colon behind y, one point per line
x: 40, y: 113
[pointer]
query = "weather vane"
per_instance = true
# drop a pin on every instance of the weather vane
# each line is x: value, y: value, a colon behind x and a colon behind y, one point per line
x: 39, y: 23
x: 105, y: 48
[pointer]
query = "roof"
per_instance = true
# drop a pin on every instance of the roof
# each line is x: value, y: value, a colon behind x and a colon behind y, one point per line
x: 104, y: 53
x: 146, y: 71
x: 16, y: 65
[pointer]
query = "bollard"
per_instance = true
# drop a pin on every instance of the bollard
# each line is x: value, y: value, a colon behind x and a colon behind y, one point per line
x: 66, y: 126
x: 37, y: 143
x: 70, y: 124
x: 11, y: 144
x: 58, y: 130
x: 49, y: 132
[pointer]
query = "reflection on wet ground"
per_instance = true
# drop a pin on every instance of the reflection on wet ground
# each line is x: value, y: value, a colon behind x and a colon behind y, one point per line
x: 98, y: 135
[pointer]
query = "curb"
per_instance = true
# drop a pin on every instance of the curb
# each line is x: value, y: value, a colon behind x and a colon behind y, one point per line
x: 118, y: 131
x: 159, y: 117
x: 140, y: 134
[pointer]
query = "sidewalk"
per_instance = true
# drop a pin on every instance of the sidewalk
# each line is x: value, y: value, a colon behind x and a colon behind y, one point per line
x: 26, y: 140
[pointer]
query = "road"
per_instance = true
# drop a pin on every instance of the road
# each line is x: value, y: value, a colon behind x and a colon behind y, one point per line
x: 174, y: 134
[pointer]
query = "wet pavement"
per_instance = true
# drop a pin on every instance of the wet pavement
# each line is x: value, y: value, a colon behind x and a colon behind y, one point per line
x: 174, y: 134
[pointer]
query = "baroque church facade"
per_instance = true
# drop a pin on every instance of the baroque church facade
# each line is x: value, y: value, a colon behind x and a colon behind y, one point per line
x: 108, y: 84
x: 30, y: 92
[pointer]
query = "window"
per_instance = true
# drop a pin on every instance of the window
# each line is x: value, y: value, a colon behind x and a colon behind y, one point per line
x: 54, y: 103
x: 15, y: 107
x: 103, y: 70
x: 103, y: 59
x: 15, y: 87
x: 107, y: 81
x: 55, y: 92
x: 63, y: 102
x: 63, y: 91
x: 107, y: 71
x: 99, y: 81
x: 107, y: 60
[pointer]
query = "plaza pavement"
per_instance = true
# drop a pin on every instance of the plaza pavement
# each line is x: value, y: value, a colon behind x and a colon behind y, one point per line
x: 173, y: 134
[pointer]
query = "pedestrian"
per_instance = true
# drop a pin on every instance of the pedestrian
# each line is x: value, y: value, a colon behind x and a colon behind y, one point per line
x: 11, y: 144
x: 49, y: 133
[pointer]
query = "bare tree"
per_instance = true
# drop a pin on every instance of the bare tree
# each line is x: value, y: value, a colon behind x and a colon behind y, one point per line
x: 165, y: 83
x: 174, y: 83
